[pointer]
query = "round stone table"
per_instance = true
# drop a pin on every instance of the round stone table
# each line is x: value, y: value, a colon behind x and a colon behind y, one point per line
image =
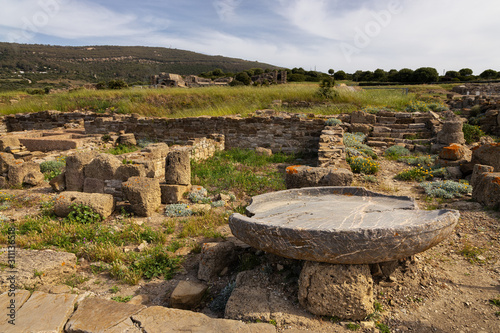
x: 341, y: 225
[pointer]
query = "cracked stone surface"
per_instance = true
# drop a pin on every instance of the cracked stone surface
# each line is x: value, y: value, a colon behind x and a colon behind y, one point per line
x: 341, y: 225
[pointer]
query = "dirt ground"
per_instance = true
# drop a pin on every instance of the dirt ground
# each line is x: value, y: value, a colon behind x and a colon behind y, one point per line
x: 448, y: 288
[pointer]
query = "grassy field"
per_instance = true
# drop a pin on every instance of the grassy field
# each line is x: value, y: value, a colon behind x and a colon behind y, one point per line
x: 213, y: 101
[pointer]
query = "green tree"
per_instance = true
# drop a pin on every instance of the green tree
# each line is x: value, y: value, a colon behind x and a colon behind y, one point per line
x: 380, y: 75
x: 331, y: 71
x: 425, y: 75
x: 340, y: 75
x: 243, y: 77
x: 488, y: 74
x: 405, y: 75
x: 117, y: 84
x: 465, y: 72
x: 452, y: 74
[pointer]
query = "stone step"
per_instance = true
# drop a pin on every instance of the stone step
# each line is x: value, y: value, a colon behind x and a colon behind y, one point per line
x: 377, y: 143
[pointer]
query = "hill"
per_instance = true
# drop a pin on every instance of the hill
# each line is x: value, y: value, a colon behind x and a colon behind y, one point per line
x: 32, y: 65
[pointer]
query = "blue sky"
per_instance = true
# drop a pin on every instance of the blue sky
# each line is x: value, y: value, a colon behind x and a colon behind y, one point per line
x: 313, y: 34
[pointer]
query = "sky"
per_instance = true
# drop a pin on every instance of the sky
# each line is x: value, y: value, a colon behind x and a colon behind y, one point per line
x: 318, y: 35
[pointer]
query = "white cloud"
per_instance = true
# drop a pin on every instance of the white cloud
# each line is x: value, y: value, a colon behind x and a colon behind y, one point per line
x: 226, y: 9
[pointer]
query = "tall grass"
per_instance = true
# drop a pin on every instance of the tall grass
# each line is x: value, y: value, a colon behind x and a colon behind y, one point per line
x: 213, y: 101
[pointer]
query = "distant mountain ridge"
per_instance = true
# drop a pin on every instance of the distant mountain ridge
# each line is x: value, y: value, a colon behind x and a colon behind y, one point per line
x: 22, y: 62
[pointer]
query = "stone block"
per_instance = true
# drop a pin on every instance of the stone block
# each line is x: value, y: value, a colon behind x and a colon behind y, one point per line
x: 144, y: 195
x: 215, y: 257
x: 478, y: 170
x: 103, y: 204
x: 178, y: 167
x: 171, y: 194
x: 75, y: 165
x: 187, y: 295
x: 260, y: 151
x: 103, y: 167
x: 451, y: 133
x: 455, y: 152
x: 304, y: 176
x: 362, y: 128
x: 127, y: 139
x: 488, y: 154
x: 58, y: 183
x: 362, y: 117
x: 9, y: 141
x: 100, y: 315
x: 157, y: 150
x: 20, y: 297
x: 6, y: 160
x: 125, y: 171
x: 93, y: 185
x: 345, y: 291
x: 54, y: 309
x: 24, y: 173
x: 486, y: 189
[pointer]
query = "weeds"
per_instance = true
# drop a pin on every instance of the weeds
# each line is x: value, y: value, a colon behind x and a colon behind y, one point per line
x: 364, y: 165
x: 122, y: 149
x: 472, y: 253
x: 446, y: 189
x: 82, y: 214
x: 122, y: 299
x: 52, y: 169
x: 396, y: 152
x: 472, y: 133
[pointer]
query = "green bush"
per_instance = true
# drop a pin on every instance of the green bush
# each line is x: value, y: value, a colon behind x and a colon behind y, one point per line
x: 364, y: 165
x: 472, y: 133
x: 417, y: 173
x: 446, y: 189
x: 52, y: 169
x: 122, y: 149
x: 395, y: 152
x: 417, y: 106
x: 421, y: 160
x: 82, y: 214
x: 175, y: 210
x: 333, y: 122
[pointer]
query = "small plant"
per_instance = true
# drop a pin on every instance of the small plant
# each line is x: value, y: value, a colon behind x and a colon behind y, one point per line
x: 114, y: 289
x: 472, y: 133
x: 395, y: 152
x: 122, y: 299
x: 383, y: 328
x: 418, y: 173
x: 370, y: 179
x: 75, y: 280
x: 218, y: 203
x: 157, y: 262
x: 353, y: 327
x: 176, y: 210
x: 199, y: 196
x: 495, y: 301
x: 472, y: 253
x: 47, y: 208
x: 446, y: 189
x: 333, y: 122
x: 122, y: 149
x: 169, y: 226
x: 273, y: 322
x: 125, y: 161
x: 52, y: 169
x: 82, y: 214
x: 106, y: 138
x: 4, y: 197
x: 438, y: 107
x: 364, y: 165
x: 37, y: 273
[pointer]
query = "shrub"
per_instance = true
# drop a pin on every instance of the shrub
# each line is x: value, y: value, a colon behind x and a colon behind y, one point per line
x: 395, y: 152
x: 52, y: 169
x: 175, y: 210
x: 417, y: 173
x: 417, y: 106
x: 122, y: 149
x: 333, y: 122
x: 438, y: 107
x: 446, y: 189
x: 157, y: 262
x: 364, y: 165
x: 425, y: 160
x: 472, y: 133
x: 82, y: 214
x: 218, y: 203
x: 199, y: 196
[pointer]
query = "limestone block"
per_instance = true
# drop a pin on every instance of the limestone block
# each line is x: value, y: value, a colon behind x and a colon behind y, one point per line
x: 362, y: 117
x: 171, y: 194
x: 188, y: 321
x: 75, y: 165
x: 478, y: 170
x: 488, y: 154
x: 103, y: 204
x: 127, y: 139
x: 125, y: 171
x: 103, y: 167
x: 100, y: 315
x: 362, y: 128
x: 187, y: 295
x: 455, y: 152
x: 305, y: 176
x: 345, y: 291
x: 6, y: 160
x: 93, y: 185
x: 486, y: 189
x: 25, y: 173
x: 157, y: 150
x: 54, y: 309
x: 9, y: 141
x: 451, y: 133
x: 214, y: 258
x: 260, y: 151
x: 178, y: 167
x: 58, y: 183
x: 14, y: 303
x: 144, y: 195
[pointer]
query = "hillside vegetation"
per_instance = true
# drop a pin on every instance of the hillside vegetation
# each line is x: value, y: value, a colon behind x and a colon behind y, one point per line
x: 29, y: 66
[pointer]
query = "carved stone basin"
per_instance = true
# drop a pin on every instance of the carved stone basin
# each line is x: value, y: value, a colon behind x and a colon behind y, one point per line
x: 341, y: 225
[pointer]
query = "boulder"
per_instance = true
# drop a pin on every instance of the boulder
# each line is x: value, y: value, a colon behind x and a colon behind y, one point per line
x: 127, y: 139
x: 93, y: 185
x: 171, y: 194
x: 6, y: 160
x: 451, y: 133
x: 24, y: 173
x: 8, y: 141
x: 260, y: 151
x: 344, y: 291
x: 125, y: 171
x: 144, y: 195
x: 103, y: 167
x: 478, y: 170
x: 486, y: 189
x: 103, y: 204
x: 305, y: 176
x: 488, y: 154
x: 187, y: 295
x: 214, y: 258
x: 178, y: 167
x: 455, y: 152
x: 58, y: 183
x: 75, y: 165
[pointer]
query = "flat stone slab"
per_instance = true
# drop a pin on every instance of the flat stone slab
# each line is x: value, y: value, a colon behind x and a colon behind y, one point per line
x: 341, y: 225
x: 42, y: 313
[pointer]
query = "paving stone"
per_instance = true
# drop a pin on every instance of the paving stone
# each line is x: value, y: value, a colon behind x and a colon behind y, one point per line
x: 12, y: 301
x: 158, y: 319
x: 342, y: 225
x: 187, y: 295
x: 42, y: 313
x: 100, y: 315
